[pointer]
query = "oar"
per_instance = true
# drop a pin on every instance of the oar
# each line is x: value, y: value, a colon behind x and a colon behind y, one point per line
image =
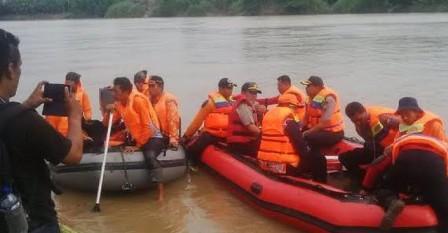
x: 96, y: 208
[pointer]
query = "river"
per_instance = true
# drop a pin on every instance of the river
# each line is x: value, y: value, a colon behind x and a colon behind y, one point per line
x: 375, y: 58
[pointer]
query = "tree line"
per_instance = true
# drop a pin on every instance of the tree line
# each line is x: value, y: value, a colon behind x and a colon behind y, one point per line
x: 167, y: 8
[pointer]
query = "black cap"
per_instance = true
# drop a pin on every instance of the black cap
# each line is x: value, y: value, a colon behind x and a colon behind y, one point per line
x: 226, y: 83
x: 250, y: 86
x: 313, y: 80
x: 409, y: 103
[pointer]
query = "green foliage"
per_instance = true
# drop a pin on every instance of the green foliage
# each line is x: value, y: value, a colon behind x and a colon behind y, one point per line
x: 167, y: 8
x: 92, y: 8
x: 126, y: 9
x: 305, y: 6
x: 361, y: 6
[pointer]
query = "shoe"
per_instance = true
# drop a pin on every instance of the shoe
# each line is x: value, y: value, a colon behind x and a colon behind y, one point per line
x: 394, y: 209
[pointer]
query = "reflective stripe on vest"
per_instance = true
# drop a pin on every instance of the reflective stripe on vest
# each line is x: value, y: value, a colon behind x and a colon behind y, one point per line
x: 275, y: 145
x: 217, y: 122
x: 315, y: 107
x: 419, y: 125
x: 419, y: 142
x: 381, y: 135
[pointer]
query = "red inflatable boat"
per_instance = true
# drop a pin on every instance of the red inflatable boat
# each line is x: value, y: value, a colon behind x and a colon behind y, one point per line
x: 311, y: 206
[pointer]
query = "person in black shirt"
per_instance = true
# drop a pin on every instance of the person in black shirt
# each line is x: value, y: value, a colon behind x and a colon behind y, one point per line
x: 30, y: 141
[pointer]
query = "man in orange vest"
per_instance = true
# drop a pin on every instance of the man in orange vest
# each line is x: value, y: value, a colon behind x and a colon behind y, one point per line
x: 141, y: 82
x: 284, y: 87
x: 141, y: 122
x: 378, y: 126
x: 214, y: 115
x: 167, y: 109
x: 73, y: 80
x: 418, y: 159
x: 282, y: 149
x: 323, y: 123
x: 243, y: 131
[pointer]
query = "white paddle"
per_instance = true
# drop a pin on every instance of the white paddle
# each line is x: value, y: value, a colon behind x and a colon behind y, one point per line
x: 96, y: 208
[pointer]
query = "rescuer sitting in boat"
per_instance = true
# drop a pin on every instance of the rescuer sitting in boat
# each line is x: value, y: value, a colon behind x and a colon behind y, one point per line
x: 214, y: 114
x: 285, y: 87
x: 282, y: 146
x: 141, y: 79
x: 244, y: 132
x: 141, y: 122
x: 166, y: 107
x: 323, y: 123
x: 417, y: 160
x: 378, y: 126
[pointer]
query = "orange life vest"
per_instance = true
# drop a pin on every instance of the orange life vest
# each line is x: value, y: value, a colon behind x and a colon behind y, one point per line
x: 315, y: 111
x: 132, y: 119
x: 160, y: 108
x: 300, y: 111
x: 217, y: 122
x: 61, y: 123
x: 420, y: 125
x: 416, y: 141
x: 382, y: 135
x: 275, y: 144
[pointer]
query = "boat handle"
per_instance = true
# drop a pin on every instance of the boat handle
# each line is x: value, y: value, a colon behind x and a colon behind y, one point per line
x: 256, y: 188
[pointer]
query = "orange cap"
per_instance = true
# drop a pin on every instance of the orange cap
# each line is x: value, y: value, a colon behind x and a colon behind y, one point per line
x: 288, y: 99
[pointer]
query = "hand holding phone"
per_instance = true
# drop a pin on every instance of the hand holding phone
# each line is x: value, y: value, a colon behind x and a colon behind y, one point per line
x: 55, y: 92
x: 37, y: 96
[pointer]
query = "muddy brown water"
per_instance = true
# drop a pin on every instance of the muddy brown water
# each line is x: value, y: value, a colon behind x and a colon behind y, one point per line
x: 371, y: 58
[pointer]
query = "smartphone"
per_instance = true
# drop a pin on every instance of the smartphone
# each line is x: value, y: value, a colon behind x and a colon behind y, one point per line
x: 56, y: 107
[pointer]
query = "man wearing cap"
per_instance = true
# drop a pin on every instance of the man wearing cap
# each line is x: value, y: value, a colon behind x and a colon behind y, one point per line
x: 282, y: 149
x: 323, y: 123
x: 418, y: 159
x: 214, y: 114
x: 167, y: 109
x: 244, y: 131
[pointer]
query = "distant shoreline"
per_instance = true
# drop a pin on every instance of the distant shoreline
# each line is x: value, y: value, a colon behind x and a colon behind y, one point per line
x: 70, y: 16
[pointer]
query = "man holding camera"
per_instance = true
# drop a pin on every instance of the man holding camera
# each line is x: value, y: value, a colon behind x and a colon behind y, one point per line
x: 27, y: 142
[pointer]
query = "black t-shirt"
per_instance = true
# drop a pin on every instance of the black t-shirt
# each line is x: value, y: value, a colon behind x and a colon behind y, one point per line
x: 31, y: 141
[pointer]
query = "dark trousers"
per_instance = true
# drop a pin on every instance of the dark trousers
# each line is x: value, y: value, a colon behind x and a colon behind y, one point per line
x: 197, y: 146
x: 360, y: 156
x: 422, y: 171
x: 151, y: 150
x: 249, y: 149
x: 317, y: 141
x: 47, y: 228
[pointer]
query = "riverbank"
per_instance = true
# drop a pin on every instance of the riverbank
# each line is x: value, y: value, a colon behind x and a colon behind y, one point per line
x: 65, y: 9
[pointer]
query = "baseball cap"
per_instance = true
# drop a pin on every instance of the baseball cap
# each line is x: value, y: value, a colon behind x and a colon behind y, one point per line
x: 313, y: 80
x: 250, y: 86
x: 226, y: 83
